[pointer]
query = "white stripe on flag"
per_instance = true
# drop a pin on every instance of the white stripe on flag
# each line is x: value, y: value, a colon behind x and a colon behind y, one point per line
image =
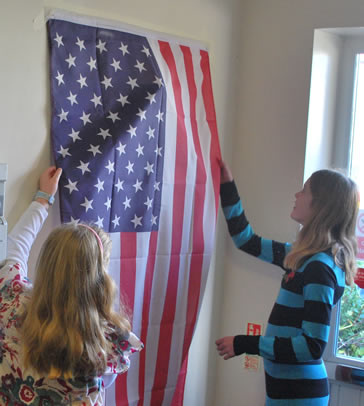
x: 209, y: 220
x: 164, y: 233
x: 175, y: 360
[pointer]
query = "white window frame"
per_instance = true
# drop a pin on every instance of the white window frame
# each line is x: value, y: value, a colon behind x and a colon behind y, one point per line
x: 352, y: 43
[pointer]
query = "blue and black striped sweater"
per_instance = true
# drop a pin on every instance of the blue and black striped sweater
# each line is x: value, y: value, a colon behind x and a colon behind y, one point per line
x: 298, y: 326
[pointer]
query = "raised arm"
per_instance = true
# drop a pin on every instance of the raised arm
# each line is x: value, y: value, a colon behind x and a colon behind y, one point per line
x: 240, y: 230
x: 23, y: 234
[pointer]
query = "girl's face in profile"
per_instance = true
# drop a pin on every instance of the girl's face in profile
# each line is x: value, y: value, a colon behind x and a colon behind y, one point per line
x: 302, y: 209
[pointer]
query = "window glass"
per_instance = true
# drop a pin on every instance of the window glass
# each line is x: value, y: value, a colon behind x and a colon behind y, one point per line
x: 350, y: 338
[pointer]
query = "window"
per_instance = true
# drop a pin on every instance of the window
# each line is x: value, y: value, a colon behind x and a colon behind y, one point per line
x: 335, y: 138
x: 350, y: 334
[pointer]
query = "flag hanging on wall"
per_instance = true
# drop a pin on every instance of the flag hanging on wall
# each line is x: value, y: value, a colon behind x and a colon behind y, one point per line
x: 134, y: 129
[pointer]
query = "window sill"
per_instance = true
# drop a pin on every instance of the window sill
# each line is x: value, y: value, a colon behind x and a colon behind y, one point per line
x: 348, y: 376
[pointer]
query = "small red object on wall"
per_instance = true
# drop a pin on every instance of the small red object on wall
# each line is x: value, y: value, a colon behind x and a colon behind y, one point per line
x: 254, y: 329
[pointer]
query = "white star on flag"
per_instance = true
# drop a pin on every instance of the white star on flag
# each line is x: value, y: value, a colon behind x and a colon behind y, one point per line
x: 119, y: 185
x: 85, y: 118
x: 80, y: 44
x: 58, y: 39
x: 138, y: 185
x: 139, y: 150
x: 129, y: 167
x: 116, y: 220
x: 72, y: 186
x: 148, y: 203
x: 84, y: 167
x: 136, y: 221
x: 96, y: 100
x: 124, y: 49
x: 74, y: 135
x: 101, y: 46
x: 108, y: 203
x: 107, y: 82
x: 113, y: 116
x: 126, y: 203
x: 82, y: 81
x: 71, y: 61
x: 95, y: 149
x: 150, y: 133
x: 104, y: 133
x: 149, y: 168
x: 132, y: 131
x: 146, y: 50
x: 99, y: 222
x: 123, y: 100
x: 63, y: 116
x: 59, y: 77
x: 115, y: 64
x: 160, y: 116
x: 132, y: 83
x: 92, y: 64
x: 74, y: 221
x: 140, y: 66
x: 99, y: 185
x: 72, y: 98
x: 110, y: 167
x: 151, y: 97
x: 87, y: 204
x: 141, y: 114
x: 158, y: 151
x: 121, y: 148
x: 158, y: 81
x: 64, y: 152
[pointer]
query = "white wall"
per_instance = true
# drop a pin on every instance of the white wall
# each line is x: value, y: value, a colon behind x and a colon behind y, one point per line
x: 275, y: 58
x: 25, y: 112
x: 261, y: 54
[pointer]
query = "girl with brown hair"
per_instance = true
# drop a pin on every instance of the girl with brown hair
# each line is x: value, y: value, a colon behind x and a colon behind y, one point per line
x: 316, y: 267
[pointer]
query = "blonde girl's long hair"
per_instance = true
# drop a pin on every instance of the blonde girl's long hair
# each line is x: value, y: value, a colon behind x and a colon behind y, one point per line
x: 335, y: 205
x: 71, y: 305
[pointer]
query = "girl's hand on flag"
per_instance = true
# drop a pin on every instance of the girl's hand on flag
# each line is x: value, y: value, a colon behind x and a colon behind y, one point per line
x: 225, y: 173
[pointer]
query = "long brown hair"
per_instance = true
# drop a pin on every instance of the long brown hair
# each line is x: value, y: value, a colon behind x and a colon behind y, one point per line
x: 71, y: 305
x: 335, y: 204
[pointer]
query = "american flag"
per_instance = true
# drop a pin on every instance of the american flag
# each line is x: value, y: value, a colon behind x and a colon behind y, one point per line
x: 134, y: 129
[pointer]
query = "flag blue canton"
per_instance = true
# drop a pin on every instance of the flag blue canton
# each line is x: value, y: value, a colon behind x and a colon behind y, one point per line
x: 108, y: 126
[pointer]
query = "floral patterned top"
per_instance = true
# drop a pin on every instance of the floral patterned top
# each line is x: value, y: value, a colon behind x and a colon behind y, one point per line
x: 20, y: 386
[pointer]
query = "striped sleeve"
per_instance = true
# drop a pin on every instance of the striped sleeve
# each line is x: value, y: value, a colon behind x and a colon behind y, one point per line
x: 242, y: 233
x: 319, y: 286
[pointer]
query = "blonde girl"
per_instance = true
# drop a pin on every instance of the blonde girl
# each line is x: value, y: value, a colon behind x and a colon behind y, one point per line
x: 63, y: 342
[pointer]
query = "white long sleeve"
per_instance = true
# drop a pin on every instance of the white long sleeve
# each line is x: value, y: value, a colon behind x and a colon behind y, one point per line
x: 22, y: 236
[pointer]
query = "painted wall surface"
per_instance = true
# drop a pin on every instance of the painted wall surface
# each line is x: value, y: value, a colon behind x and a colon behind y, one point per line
x: 275, y: 58
x: 261, y: 55
x: 25, y: 115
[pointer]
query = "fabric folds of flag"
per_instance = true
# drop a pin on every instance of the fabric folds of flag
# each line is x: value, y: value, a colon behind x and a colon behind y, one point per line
x: 134, y: 129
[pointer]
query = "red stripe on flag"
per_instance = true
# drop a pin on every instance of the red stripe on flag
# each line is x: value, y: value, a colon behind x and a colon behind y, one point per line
x: 198, y: 237
x: 148, y: 283
x: 166, y: 328
x: 128, y: 254
x: 215, y: 152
